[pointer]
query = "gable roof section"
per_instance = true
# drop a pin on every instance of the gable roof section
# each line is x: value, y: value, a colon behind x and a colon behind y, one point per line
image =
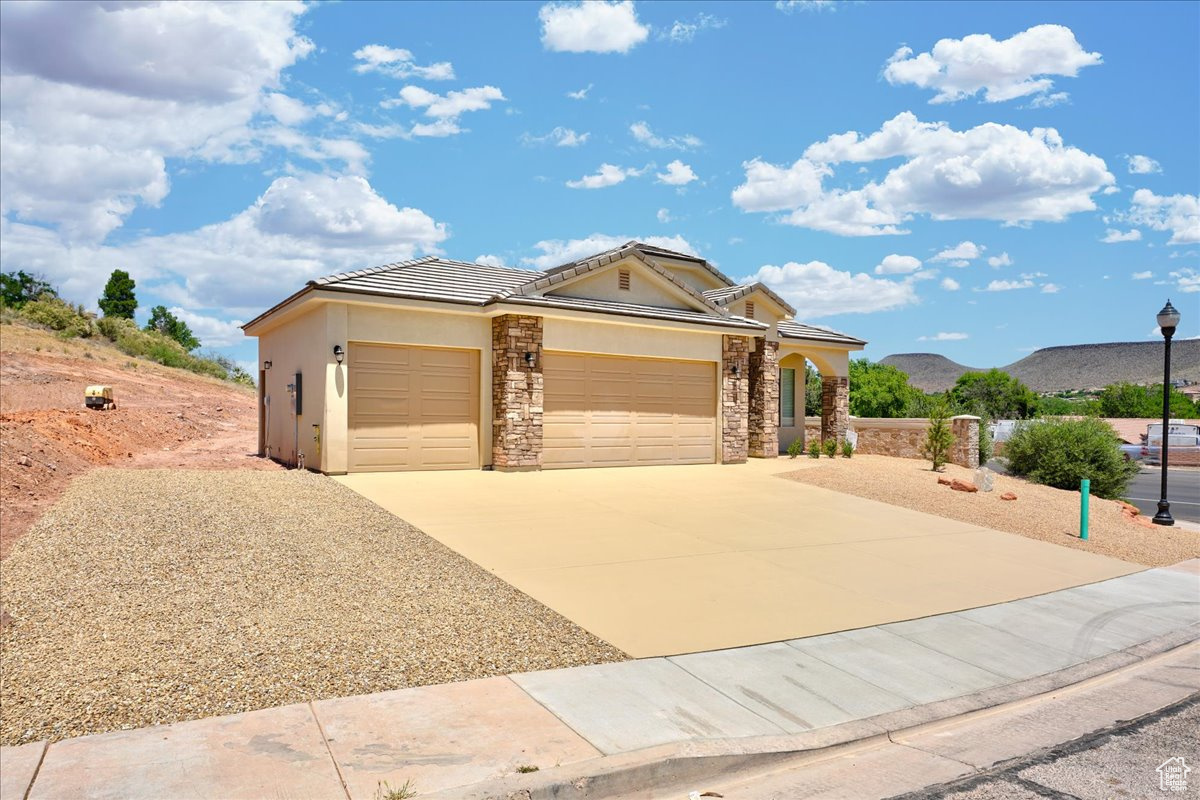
x: 790, y: 329
x: 728, y: 294
x: 430, y: 278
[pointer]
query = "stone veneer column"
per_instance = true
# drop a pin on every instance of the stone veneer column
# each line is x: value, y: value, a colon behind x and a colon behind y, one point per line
x: 965, y: 450
x: 735, y: 398
x: 517, y: 393
x: 835, y: 407
x: 764, y: 400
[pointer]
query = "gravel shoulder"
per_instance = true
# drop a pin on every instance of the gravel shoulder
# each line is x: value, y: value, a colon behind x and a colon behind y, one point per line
x: 1039, y: 512
x: 153, y: 596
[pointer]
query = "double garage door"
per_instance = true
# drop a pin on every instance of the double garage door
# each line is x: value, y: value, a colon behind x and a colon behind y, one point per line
x: 418, y: 408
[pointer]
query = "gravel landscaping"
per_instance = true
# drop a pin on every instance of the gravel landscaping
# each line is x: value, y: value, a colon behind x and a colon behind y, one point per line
x: 1039, y: 512
x: 153, y: 596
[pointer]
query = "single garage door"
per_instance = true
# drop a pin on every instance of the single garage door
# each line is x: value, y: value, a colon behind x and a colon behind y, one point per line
x: 605, y: 411
x: 413, y: 408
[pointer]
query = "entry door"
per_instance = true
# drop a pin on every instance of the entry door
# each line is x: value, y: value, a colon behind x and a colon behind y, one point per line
x: 610, y: 411
x: 413, y: 408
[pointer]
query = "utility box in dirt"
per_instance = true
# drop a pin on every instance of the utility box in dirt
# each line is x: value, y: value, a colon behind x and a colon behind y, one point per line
x: 99, y: 398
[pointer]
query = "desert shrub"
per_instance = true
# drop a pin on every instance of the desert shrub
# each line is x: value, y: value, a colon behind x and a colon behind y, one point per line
x: 938, y: 438
x: 59, y: 315
x: 796, y: 447
x: 1062, y: 452
x: 814, y: 448
x: 847, y: 449
x: 830, y: 447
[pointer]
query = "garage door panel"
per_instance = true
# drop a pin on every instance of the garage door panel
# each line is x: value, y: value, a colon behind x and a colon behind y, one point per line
x: 413, y: 408
x: 606, y: 411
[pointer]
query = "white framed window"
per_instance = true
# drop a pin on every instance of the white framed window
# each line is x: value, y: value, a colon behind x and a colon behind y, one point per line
x: 787, y: 398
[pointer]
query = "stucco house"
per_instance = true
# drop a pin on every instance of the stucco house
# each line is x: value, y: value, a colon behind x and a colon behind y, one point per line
x: 634, y: 356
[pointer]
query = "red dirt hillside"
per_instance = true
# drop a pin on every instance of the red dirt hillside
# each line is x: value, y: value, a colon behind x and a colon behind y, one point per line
x: 164, y: 418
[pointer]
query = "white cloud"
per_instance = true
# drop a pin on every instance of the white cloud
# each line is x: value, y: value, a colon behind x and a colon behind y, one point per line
x: 1001, y: 260
x: 1187, y: 279
x: 450, y: 105
x: 664, y: 215
x: 211, y: 331
x: 641, y: 131
x: 561, y: 251
x: 489, y: 260
x: 399, y: 63
x: 1177, y: 213
x: 943, y: 337
x: 896, y: 264
x: 1031, y: 275
x: 816, y: 289
x: 580, y: 94
x: 961, y: 254
x: 559, y: 137
x: 1008, y: 286
x: 1142, y: 165
x: 97, y: 97
x: 288, y: 110
x: 677, y: 174
x: 592, y: 26
x: 1051, y: 288
x: 1112, y: 236
x: 606, y: 175
x: 1049, y: 100
x: 992, y: 171
x: 682, y: 32
x: 1003, y: 70
x: 788, y: 6
x: 1141, y: 276
x: 300, y: 228
x: 951, y: 285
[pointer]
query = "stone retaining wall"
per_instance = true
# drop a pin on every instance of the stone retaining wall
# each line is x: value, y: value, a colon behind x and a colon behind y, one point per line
x: 902, y: 438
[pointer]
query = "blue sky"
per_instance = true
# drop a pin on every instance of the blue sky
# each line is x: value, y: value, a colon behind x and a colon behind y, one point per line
x: 973, y: 179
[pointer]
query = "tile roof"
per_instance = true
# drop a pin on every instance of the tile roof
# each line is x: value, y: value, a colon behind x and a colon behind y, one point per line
x: 431, y: 278
x: 790, y: 329
x: 636, y: 310
x: 727, y: 294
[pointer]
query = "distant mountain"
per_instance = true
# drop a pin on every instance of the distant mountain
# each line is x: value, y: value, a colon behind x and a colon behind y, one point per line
x: 1077, y: 367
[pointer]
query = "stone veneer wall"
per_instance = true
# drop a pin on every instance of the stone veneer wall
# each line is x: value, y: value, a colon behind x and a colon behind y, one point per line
x: 835, y: 407
x: 764, y: 400
x: 902, y: 438
x: 517, y: 392
x: 735, y: 398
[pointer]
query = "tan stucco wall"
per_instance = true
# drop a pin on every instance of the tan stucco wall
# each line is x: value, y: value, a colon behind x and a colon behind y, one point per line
x: 645, y: 287
x: 693, y: 275
x: 828, y: 361
x: 298, y: 346
x: 628, y: 340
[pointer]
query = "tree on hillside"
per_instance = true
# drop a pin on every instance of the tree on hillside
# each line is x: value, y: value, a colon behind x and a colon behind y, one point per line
x: 878, y: 390
x: 993, y: 394
x: 18, y: 288
x: 118, y: 299
x: 169, y: 325
x: 1143, y: 402
x: 812, y: 392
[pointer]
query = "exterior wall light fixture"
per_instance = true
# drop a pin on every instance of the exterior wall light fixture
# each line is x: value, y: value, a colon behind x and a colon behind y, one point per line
x: 266, y: 365
x: 339, y: 355
x: 529, y: 356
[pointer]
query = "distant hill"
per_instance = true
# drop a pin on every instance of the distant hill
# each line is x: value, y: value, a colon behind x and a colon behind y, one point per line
x: 1077, y: 367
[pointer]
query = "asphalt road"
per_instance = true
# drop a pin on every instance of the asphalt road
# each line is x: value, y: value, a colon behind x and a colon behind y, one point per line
x: 1121, y: 761
x: 1183, y: 492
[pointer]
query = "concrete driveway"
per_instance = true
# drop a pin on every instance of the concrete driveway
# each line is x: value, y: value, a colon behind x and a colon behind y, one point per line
x: 670, y: 560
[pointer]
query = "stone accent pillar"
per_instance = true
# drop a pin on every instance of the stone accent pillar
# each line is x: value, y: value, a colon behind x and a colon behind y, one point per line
x: 965, y: 450
x: 735, y: 398
x: 835, y: 407
x: 764, y: 400
x: 517, y: 393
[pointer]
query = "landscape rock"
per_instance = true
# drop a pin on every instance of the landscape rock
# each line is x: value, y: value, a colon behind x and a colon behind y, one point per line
x: 24, y: 461
x: 962, y: 486
x: 944, y: 481
x: 1008, y: 496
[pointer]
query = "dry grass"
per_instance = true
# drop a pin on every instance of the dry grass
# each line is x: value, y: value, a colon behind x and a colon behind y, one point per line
x: 1039, y: 512
x: 153, y: 596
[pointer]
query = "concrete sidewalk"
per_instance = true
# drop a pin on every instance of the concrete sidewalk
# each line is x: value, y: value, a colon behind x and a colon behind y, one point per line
x: 469, y: 739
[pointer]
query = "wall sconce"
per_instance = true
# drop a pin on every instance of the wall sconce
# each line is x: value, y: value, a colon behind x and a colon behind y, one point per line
x: 529, y: 359
x: 339, y: 355
x: 266, y: 365
x: 736, y: 370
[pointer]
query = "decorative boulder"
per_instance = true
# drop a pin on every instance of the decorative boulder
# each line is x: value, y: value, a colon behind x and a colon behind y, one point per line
x: 983, y: 479
x: 962, y: 486
x: 1008, y: 496
x: 944, y: 481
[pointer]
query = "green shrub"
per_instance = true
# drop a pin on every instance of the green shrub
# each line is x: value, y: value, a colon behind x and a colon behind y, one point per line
x: 796, y: 447
x: 986, y: 448
x: 1062, y: 452
x: 154, y: 346
x: 59, y: 315
x: 814, y: 448
x: 830, y: 447
x: 938, y: 439
x: 847, y: 449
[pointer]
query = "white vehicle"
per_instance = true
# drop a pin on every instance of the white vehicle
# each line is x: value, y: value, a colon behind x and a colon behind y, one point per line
x: 1182, y: 437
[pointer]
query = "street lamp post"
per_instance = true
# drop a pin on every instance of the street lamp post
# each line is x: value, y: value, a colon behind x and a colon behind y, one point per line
x: 1168, y: 320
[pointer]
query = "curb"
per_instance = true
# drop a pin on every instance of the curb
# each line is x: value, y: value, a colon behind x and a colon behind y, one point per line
x: 691, y: 763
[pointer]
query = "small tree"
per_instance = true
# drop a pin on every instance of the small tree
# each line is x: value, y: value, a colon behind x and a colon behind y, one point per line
x: 938, y: 439
x: 878, y: 390
x: 994, y: 394
x: 118, y: 299
x: 18, y: 288
x: 169, y: 325
x: 812, y: 392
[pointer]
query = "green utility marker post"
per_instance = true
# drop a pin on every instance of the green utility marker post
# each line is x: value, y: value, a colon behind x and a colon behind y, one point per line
x: 1085, y: 489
